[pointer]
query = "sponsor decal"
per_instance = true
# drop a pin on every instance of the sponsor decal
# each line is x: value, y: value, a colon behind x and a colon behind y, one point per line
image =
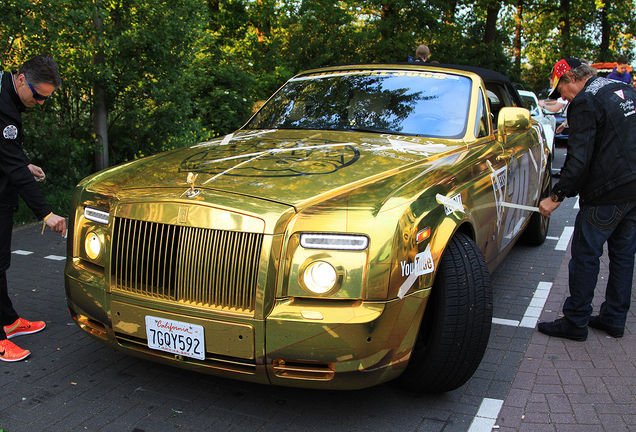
x: 300, y: 158
x: 452, y: 204
x: 10, y: 132
x: 422, y: 264
x: 499, y: 180
x: 620, y: 94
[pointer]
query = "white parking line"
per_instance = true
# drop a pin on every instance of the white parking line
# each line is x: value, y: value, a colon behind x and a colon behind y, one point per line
x: 507, y: 322
x: 533, y: 311
x: 564, y: 240
x: 55, y: 257
x: 487, y: 415
x: 22, y: 252
x: 49, y: 257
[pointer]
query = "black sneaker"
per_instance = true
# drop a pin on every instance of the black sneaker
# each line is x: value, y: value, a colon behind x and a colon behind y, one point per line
x: 596, y: 323
x: 563, y: 328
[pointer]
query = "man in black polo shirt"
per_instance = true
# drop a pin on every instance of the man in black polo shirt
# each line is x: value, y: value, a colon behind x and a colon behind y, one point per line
x: 32, y: 84
x: 601, y: 168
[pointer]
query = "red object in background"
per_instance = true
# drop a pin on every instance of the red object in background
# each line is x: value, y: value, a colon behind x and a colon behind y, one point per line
x: 608, y: 67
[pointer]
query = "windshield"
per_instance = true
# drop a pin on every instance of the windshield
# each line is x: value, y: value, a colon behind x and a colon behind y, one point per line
x: 404, y: 102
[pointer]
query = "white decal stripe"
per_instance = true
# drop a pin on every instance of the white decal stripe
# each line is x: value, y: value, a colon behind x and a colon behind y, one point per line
x: 519, y: 206
x: 534, y: 161
x: 227, y: 139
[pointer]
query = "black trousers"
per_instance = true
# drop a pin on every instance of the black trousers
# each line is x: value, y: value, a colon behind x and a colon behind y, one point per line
x: 8, y: 315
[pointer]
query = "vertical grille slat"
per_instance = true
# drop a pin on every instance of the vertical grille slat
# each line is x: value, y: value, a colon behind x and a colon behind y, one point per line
x: 196, y: 266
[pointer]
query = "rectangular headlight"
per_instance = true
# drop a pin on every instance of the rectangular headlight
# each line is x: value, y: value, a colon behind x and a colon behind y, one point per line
x: 334, y: 241
x: 96, y: 215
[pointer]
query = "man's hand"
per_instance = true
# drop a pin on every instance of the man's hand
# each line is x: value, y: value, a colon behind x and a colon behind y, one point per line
x: 547, y: 206
x: 37, y: 172
x: 57, y: 224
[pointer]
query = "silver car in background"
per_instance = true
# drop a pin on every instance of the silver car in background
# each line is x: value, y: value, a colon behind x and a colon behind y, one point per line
x: 548, y: 121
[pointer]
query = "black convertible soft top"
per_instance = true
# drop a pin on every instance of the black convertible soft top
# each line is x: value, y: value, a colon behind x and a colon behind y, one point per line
x: 485, y: 74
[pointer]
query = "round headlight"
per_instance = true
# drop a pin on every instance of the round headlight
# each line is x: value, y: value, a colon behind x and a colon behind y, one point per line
x: 93, y: 245
x: 320, y: 277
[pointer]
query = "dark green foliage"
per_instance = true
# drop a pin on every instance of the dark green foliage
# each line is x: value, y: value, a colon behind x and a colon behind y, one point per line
x: 177, y: 72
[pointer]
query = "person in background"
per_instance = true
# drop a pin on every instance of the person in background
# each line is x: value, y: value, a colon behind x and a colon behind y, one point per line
x: 601, y: 168
x: 34, y: 83
x: 553, y: 105
x: 422, y: 53
x: 620, y: 72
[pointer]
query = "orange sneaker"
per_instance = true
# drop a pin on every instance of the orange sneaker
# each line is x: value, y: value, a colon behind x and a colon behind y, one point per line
x: 23, y: 327
x: 10, y: 352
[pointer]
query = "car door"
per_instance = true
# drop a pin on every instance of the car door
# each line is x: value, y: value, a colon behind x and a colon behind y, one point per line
x: 522, y: 158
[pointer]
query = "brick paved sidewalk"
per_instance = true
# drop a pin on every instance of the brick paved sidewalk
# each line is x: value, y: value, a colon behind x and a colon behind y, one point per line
x: 563, y: 385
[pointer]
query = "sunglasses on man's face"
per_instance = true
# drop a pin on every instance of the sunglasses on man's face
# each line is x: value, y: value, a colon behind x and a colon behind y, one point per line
x: 36, y: 95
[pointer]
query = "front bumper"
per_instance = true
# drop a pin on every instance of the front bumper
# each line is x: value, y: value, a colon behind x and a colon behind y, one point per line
x: 328, y: 344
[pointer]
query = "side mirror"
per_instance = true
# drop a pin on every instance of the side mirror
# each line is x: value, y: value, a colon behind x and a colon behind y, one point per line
x: 512, y: 120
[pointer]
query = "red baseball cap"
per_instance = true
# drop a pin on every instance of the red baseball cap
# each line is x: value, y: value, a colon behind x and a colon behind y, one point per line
x: 559, y: 69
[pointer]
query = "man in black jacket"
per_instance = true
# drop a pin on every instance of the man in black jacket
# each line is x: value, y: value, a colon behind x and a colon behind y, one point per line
x: 32, y: 84
x: 601, y: 168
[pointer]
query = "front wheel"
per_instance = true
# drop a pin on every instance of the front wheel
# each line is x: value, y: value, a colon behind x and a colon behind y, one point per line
x: 456, y: 325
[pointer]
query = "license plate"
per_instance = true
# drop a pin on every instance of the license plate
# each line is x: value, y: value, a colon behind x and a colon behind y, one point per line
x: 175, y: 337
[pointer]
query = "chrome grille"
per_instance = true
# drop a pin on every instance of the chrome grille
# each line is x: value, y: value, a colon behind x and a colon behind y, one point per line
x: 195, y: 266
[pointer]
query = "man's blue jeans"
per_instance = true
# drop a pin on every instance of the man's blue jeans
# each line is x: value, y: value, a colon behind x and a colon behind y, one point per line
x: 595, y: 225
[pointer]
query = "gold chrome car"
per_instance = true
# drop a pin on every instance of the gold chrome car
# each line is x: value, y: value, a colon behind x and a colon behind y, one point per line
x: 342, y: 238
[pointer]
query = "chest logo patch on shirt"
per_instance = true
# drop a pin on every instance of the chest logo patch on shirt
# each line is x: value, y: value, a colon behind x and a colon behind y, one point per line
x: 620, y: 94
x: 10, y: 132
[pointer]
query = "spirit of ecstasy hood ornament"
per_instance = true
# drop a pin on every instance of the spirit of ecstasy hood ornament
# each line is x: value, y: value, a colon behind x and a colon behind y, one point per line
x: 192, y: 192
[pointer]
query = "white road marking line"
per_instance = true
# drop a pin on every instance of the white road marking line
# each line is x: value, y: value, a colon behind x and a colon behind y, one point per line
x: 487, y: 415
x: 551, y: 238
x: 55, y: 257
x: 502, y: 321
x: 22, y: 252
x: 576, y: 204
x: 563, y: 242
x: 533, y: 311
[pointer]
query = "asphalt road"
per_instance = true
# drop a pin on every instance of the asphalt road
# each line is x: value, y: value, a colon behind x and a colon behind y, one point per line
x: 72, y: 382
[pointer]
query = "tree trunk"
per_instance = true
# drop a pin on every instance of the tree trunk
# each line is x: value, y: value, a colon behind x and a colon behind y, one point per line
x: 100, y: 105
x: 490, y: 32
x: 604, y: 54
x: 564, y: 10
x: 518, y: 22
x: 100, y: 126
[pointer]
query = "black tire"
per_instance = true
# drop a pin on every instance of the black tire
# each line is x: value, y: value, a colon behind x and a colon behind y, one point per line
x: 456, y: 325
x: 538, y: 226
